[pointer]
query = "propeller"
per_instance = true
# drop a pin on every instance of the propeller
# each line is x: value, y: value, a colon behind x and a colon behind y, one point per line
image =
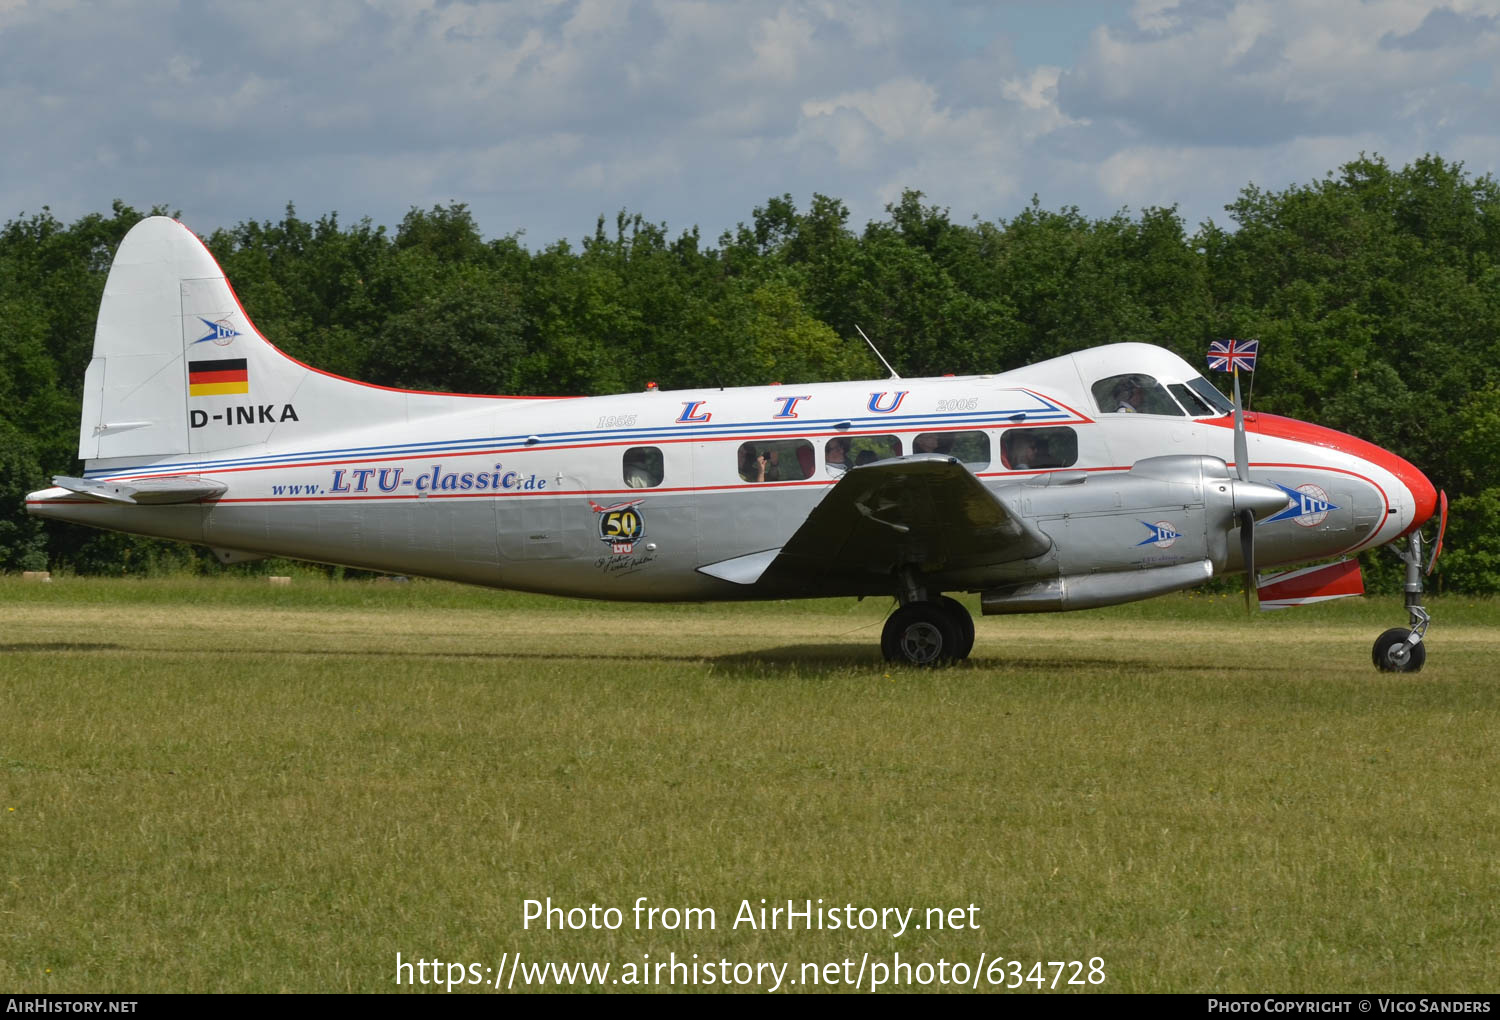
x: 1437, y: 546
x: 1242, y: 469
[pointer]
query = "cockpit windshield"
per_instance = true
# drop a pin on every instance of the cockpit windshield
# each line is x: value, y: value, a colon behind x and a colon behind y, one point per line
x: 1195, y: 407
x: 1211, y: 395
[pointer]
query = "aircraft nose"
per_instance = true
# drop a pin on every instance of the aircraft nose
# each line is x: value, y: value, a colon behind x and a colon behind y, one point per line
x: 1420, y: 499
x: 1424, y: 497
x: 1260, y: 499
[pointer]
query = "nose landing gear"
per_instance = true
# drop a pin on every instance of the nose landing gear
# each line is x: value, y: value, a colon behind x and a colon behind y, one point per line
x: 1400, y: 649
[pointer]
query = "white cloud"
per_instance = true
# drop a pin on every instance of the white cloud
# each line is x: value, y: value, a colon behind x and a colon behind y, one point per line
x: 542, y: 116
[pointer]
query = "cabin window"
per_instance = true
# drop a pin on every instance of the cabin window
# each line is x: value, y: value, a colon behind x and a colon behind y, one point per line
x: 641, y: 467
x: 1030, y: 449
x: 971, y: 448
x: 1134, y: 393
x: 844, y: 452
x: 776, y: 460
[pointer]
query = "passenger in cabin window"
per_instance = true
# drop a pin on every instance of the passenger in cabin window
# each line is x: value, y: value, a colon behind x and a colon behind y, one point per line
x: 927, y: 442
x: 1023, y: 453
x: 752, y: 464
x: 836, y: 455
x: 772, y: 459
x: 637, y: 473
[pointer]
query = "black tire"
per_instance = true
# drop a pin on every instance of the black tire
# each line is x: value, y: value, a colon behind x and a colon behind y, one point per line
x: 920, y: 634
x: 1393, y: 655
x: 965, y: 622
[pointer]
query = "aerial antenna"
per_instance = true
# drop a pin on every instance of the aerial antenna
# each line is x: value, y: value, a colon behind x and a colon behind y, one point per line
x: 887, y: 364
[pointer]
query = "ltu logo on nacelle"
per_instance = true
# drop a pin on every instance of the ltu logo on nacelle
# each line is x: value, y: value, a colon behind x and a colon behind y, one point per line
x: 1309, y: 505
x: 1163, y: 535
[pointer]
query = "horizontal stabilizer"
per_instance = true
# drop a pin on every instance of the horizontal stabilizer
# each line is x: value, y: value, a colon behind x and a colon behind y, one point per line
x: 144, y: 491
x: 1310, y: 584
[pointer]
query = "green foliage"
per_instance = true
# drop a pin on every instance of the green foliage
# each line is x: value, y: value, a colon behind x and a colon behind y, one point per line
x: 22, y: 545
x: 1375, y: 293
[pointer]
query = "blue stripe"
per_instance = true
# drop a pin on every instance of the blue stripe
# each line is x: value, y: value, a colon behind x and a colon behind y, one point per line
x: 996, y: 418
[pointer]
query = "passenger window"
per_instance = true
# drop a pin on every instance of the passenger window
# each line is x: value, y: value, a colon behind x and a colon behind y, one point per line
x: 971, y: 448
x: 776, y: 460
x: 642, y: 467
x: 869, y: 449
x: 844, y: 452
x: 1031, y: 449
x: 1133, y: 394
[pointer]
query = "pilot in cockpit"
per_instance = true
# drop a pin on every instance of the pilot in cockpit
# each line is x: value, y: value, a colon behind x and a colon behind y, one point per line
x: 1130, y: 395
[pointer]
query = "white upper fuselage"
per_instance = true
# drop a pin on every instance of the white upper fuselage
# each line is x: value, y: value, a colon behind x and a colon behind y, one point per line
x: 517, y: 492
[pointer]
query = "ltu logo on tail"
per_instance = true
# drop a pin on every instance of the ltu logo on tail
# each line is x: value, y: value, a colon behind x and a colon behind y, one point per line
x: 219, y: 332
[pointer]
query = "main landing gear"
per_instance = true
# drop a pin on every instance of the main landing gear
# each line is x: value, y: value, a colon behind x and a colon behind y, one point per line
x: 1400, y: 649
x: 927, y: 631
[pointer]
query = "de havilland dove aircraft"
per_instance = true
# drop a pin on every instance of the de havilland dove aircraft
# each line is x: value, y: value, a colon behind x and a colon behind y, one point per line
x: 1101, y: 477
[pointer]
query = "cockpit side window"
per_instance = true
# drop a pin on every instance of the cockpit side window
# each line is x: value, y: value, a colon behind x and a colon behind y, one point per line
x: 1195, y: 407
x: 1134, y: 393
x: 1211, y: 395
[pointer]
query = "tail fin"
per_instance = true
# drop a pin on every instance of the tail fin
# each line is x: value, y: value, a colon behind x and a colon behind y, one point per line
x: 179, y: 368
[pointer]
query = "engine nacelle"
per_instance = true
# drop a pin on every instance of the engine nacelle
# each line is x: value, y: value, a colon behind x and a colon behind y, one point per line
x: 1163, y: 512
x: 1089, y: 591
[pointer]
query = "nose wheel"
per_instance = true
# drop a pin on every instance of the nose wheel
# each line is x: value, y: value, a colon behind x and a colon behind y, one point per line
x: 1394, y: 653
x: 928, y: 633
x: 1400, y: 649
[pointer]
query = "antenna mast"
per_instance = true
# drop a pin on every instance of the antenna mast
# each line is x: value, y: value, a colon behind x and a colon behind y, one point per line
x: 887, y: 364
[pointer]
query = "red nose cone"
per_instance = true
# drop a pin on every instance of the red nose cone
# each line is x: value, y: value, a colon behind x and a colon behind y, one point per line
x: 1422, y: 494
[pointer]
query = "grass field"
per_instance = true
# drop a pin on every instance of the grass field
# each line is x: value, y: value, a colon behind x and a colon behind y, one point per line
x: 216, y: 785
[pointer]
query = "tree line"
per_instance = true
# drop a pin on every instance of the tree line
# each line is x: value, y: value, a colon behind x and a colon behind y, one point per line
x: 1375, y: 293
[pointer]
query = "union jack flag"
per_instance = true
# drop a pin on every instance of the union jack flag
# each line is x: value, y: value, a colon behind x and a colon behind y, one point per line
x: 1227, y: 355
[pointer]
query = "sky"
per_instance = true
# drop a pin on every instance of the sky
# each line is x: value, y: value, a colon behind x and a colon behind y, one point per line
x: 543, y: 115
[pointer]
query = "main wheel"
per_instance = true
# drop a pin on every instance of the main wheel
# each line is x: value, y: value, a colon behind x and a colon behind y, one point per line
x: 965, y: 622
x: 920, y: 634
x: 1392, y: 653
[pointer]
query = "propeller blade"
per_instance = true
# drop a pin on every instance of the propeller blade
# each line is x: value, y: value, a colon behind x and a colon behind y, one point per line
x: 1247, y: 552
x: 1242, y: 469
x: 1241, y: 446
x: 1437, y: 547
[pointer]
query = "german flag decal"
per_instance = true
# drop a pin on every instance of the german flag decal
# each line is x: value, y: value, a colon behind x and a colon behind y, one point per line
x: 211, y: 378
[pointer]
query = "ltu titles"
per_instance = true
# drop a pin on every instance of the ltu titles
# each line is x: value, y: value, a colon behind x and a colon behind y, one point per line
x: 762, y: 915
x: 433, y: 479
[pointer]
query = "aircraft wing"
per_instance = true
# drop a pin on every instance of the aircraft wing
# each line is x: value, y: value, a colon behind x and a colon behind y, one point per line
x: 927, y: 511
